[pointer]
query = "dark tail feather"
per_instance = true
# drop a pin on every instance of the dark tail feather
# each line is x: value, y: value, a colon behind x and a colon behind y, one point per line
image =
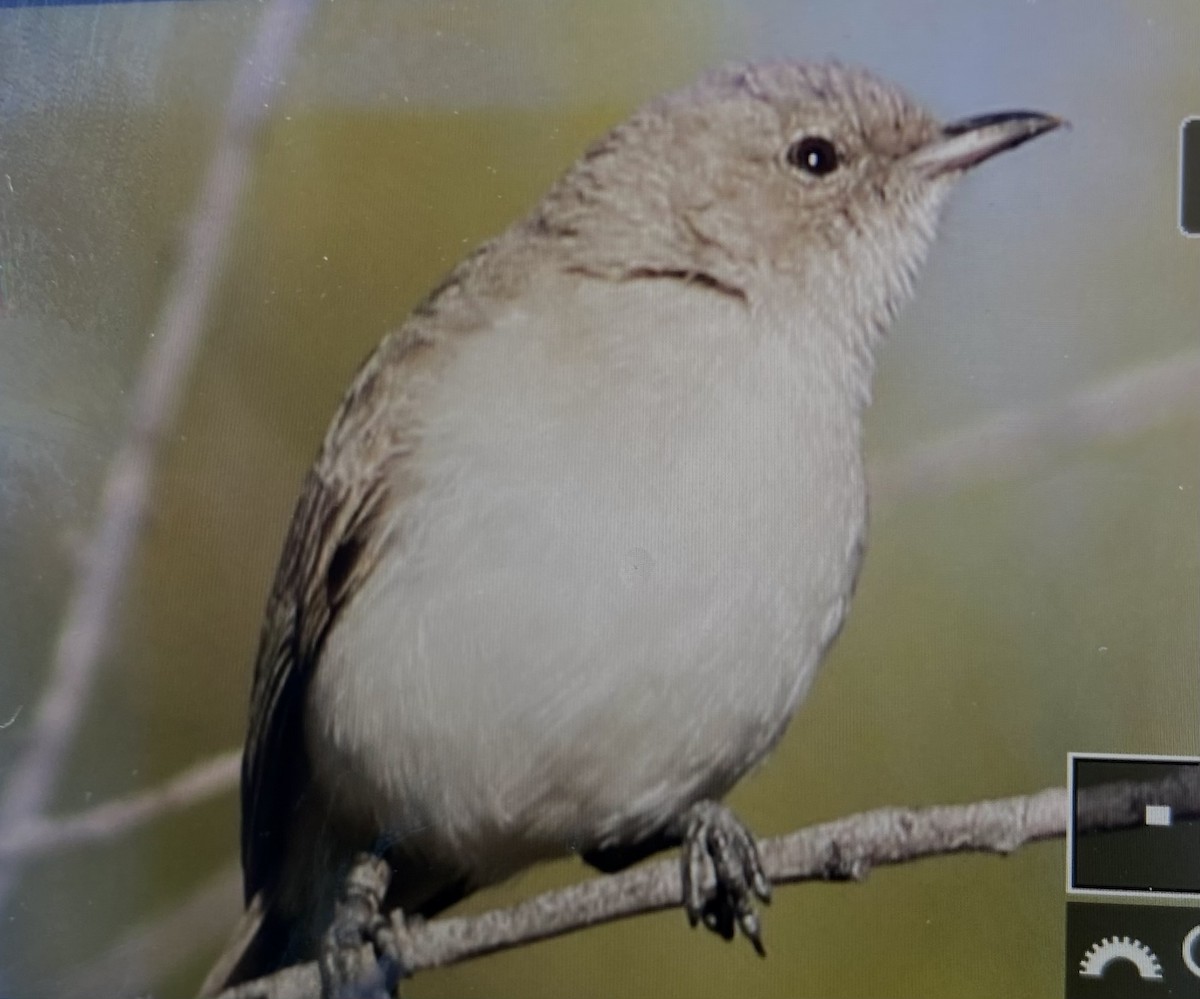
x: 257, y: 947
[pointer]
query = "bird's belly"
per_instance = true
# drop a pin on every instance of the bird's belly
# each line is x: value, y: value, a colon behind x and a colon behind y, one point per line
x: 576, y: 679
x: 585, y: 628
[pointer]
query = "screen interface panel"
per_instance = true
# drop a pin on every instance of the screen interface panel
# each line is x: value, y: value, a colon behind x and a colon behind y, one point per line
x: 791, y: 482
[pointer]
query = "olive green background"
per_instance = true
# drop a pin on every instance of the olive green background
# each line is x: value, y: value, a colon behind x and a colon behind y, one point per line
x: 1043, y: 606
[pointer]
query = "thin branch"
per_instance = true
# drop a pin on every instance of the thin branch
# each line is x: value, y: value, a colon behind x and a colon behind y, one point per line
x: 99, y: 585
x: 40, y: 836
x: 845, y: 849
x: 1010, y: 442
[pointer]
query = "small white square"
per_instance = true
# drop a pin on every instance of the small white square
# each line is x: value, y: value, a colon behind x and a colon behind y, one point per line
x: 1158, y: 815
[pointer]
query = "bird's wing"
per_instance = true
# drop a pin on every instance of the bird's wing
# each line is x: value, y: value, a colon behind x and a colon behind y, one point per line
x: 331, y: 534
x: 338, y: 530
x: 336, y: 534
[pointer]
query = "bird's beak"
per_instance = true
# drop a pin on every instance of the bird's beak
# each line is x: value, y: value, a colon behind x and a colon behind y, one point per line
x: 967, y: 143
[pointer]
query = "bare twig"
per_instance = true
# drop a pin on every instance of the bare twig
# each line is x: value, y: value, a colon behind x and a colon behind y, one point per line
x: 40, y: 836
x: 845, y: 849
x: 173, y: 343
x: 1015, y: 440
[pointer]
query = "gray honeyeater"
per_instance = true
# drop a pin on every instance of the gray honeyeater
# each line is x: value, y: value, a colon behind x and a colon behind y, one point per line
x: 585, y: 525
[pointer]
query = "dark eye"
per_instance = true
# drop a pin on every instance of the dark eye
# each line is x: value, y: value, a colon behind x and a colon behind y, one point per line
x: 813, y: 154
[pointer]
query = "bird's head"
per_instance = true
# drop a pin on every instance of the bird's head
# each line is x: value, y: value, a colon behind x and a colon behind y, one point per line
x: 776, y: 175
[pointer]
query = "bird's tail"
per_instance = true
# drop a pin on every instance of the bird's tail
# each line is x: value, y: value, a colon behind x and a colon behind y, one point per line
x: 256, y: 947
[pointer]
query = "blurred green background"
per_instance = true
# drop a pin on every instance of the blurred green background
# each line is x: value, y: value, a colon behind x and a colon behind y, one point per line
x: 1047, y: 605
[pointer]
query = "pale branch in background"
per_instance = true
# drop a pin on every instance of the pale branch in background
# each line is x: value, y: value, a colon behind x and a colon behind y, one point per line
x: 102, y: 566
x: 1016, y: 440
x: 104, y: 822
x: 845, y: 849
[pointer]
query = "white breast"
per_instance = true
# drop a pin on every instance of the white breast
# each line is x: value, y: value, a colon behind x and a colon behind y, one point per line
x: 637, y: 531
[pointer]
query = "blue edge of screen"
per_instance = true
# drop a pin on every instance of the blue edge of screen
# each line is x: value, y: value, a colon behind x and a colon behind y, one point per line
x: 20, y: 4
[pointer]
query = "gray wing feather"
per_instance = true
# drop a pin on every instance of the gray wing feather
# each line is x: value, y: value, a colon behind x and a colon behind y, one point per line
x: 330, y: 546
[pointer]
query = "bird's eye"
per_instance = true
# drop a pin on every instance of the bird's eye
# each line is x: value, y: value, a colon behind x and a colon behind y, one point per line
x: 813, y: 154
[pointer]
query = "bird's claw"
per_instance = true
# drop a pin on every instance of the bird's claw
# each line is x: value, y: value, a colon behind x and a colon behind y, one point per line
x: 354, y: 961
x: 722, y: 874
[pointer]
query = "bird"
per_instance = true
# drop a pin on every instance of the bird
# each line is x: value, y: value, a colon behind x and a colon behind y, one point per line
x: 585, y: 525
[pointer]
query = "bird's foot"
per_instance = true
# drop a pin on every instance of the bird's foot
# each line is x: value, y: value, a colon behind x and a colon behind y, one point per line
x: 722, y: 873
x: 352, y: 961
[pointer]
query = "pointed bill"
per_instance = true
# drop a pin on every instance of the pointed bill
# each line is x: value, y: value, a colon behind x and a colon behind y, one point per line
x: 967, y: 143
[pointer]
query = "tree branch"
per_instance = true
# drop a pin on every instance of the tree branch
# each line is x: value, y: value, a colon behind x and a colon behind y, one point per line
x: 845, y: 849
x: 40, y: 836
x: 1012, y: 441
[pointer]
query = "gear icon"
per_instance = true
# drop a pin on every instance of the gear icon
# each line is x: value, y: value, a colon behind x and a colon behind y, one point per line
x: 1100, y: 955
